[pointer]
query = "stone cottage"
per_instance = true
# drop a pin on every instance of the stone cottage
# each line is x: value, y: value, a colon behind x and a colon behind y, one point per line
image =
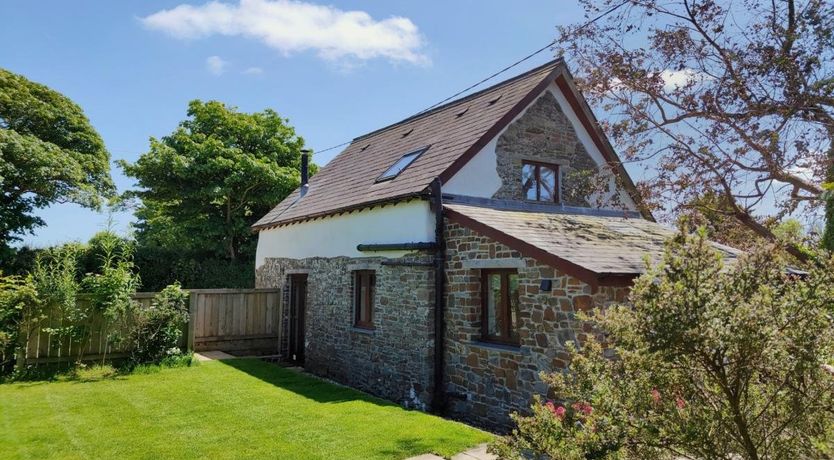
x: 439, y: 262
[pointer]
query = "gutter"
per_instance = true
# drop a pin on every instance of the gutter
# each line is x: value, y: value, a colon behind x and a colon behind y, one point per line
x: 439, y: 397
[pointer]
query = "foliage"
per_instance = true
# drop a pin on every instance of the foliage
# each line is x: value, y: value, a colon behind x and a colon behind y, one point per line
x: 57, y: 283
x: 160, y: 267
x: 78, y: 297
x: 828, y: 234
x: 200, y: 412
x: 712, y: 362
x: 710, y: 211
x: 18, y: 299
x: 157, y: 330
x: 17, y: 260
x: 204, y: 185
x: 109, y: 289
x: 731, y: 98
x: 49, y: 153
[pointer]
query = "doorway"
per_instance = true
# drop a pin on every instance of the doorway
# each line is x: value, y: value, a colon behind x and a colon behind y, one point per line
x: 298, y: 307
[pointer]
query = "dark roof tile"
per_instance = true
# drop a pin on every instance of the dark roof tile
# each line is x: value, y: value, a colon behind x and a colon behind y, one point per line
x: 349, y: 180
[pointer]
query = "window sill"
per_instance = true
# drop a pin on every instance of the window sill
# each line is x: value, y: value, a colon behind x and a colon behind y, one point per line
x: 515, y: 348
x: 363, y: 330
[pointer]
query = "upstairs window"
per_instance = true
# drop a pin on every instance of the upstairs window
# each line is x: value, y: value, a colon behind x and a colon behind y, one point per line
x: 364, y: 283
x: 499, y: 313
x: 401, y: 164
x: 540, y: 181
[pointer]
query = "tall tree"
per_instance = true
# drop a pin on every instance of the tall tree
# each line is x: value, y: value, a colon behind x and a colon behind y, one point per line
x: 734, y: 99
x: 203, y: 186
x: 49, y: 153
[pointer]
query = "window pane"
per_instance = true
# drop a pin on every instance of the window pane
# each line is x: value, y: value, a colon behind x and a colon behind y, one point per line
x: 364, y: 298
x: 548, y: 183
x: 528, y: 181
x: 493, y: 304
x: 513, y: 284
x: 401, y: 164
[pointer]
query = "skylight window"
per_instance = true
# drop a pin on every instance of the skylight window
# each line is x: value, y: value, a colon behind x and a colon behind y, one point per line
x: 401, y: 164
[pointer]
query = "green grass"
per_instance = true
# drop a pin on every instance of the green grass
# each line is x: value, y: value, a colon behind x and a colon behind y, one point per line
x: 231, y: 409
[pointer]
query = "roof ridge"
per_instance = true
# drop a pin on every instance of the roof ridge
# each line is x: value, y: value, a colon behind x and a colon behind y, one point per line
x: 425, y: 113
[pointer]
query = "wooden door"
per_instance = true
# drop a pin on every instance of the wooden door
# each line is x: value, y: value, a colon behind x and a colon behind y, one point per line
x: 298, y: 304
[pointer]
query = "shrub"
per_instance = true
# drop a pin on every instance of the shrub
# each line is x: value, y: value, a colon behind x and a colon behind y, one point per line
x: 710, y: 362
x: 19, y: 310
x: 158, y: 330
x: 56, y: 280
x: 110, y: 287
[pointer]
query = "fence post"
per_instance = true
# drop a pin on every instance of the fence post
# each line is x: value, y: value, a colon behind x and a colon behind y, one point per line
x: 192, y: 316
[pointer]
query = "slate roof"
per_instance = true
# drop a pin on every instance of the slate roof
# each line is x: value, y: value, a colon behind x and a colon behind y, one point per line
x: 349, y: 180
x: 596, y: 246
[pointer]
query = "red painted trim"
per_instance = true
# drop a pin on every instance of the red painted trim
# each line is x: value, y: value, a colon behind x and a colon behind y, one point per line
x: 526, y: 248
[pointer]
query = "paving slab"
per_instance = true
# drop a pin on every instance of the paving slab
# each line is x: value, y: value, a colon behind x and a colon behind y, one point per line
x: 478, y: 452
x: 212, y: 356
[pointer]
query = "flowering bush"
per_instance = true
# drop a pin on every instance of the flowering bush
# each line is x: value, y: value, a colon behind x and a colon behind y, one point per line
x: 710, y: 362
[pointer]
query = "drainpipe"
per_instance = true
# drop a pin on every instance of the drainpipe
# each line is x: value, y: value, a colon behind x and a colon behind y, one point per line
x: 439, y: 397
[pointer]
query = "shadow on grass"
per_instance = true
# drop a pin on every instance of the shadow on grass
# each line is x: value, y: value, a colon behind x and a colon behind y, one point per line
x: 302, y: 384
x: 93, y: 372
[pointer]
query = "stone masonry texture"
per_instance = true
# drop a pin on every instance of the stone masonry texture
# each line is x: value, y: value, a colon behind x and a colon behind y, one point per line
x: 395, y: 360
x: 544, y: 134
x: 487, y: 382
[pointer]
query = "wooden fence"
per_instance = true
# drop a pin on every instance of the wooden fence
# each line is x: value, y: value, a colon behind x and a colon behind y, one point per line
x: 235, y: 320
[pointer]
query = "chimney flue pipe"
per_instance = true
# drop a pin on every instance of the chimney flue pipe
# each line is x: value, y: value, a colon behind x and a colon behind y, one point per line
x: 305, y: 163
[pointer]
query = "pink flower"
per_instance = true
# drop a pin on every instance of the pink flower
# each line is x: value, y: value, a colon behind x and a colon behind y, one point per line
x: 583, y: 407
x: 680, y: 402
x: 550, y: 406
x: 655, y: 396
x: 559, y: 411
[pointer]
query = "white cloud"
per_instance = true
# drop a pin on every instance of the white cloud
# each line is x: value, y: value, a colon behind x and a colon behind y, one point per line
x: 679, y: 78
x: 216, y: 65
x: 294, y: 26
x: 254, y: 71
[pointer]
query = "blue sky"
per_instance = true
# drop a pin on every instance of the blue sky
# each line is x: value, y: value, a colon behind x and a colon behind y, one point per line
x: 133, y: 66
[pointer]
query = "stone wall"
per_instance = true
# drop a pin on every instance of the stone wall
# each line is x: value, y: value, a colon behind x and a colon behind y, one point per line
x: 545, y: 134
x: 487, y: 381
x: 395, y: 360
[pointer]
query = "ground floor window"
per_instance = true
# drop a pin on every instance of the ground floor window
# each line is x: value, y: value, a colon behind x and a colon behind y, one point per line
x: 364, y: 282
x: 499, y: 297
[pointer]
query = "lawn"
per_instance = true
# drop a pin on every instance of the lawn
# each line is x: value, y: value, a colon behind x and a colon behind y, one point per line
x: 223, y: 409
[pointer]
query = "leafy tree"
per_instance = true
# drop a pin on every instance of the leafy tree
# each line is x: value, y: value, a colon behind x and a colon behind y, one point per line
x: 730, y: 98
x: 710, y: 362
x: 710, y: 211
x: 49, y: 153
x: 204, y: 185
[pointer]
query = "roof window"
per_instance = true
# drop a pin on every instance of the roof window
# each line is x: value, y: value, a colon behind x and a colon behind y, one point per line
x: 401, y: 164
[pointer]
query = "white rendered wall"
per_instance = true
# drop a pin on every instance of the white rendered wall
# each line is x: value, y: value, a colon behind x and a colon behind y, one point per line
x: 410, y: 222
x: 479, y: 177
